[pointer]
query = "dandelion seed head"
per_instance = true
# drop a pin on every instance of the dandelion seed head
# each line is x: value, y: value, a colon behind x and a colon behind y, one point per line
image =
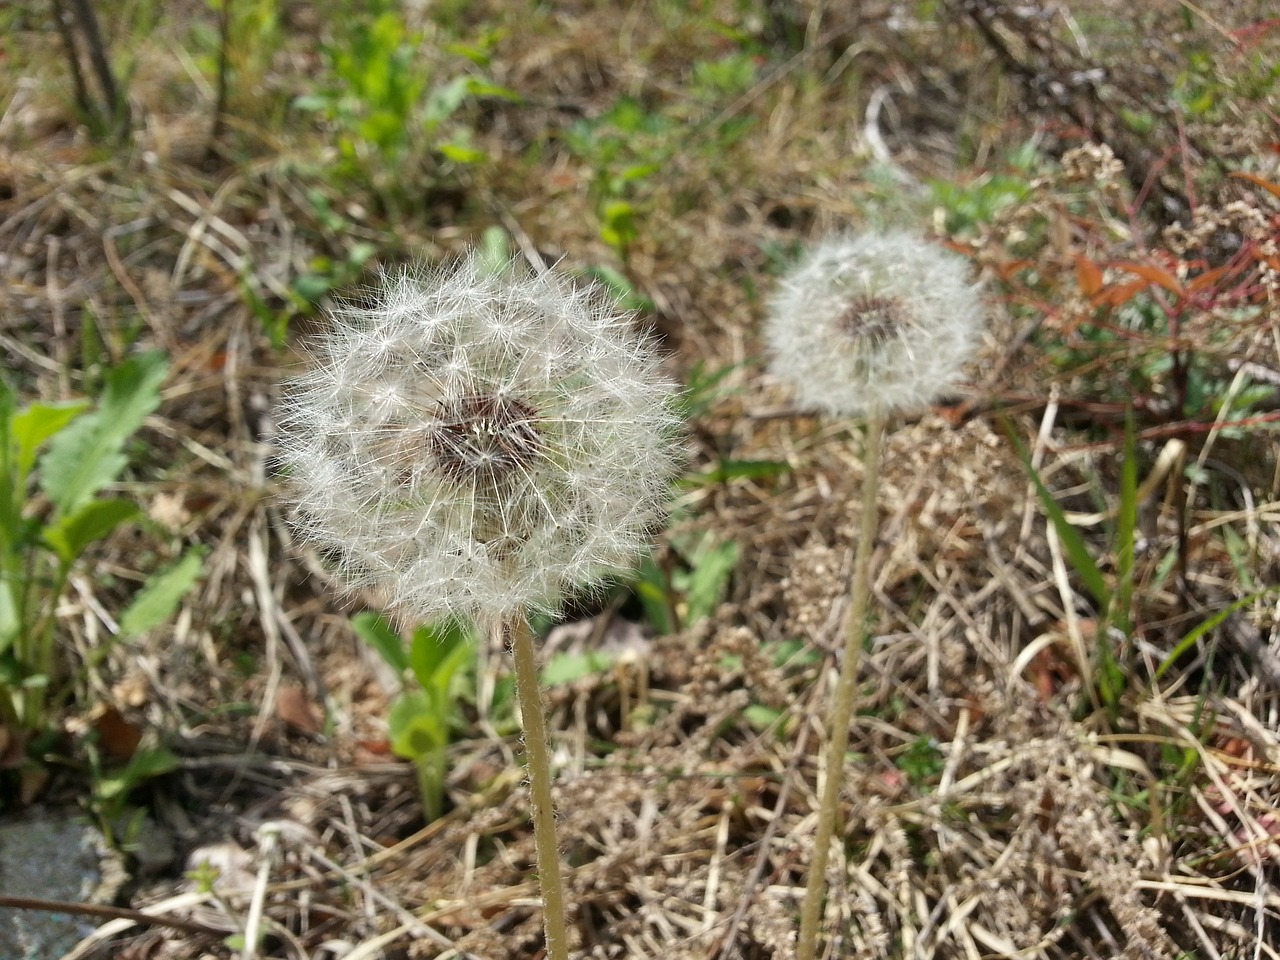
x: 478, y: 442
x: 874, y: 321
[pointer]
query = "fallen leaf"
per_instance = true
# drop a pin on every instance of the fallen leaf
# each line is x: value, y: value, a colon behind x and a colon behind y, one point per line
x: 296, y: 709
x: 118, y: 737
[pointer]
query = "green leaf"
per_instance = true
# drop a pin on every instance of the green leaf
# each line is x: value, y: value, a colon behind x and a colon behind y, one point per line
x: 36, y: 424
x: 312, y: 102
x: 275, y: 323
x: 639, y: 171
x: 69, y: 535
x: 145, y: 765
x: 495, y: 250
x: 760, y: 717
x: 377, y: 631
x: 419, y: 731
x: 487, y: 88
x: 727, y: 470
x: 479, y: 55
x: 618, y: 229
x: 11, y: 493
x: 12, y: 670
x: 461, y: 153
x: 620, y: 287
x: 570, y: 667
x: 161, y: 594
x: 444, y: 101
x: 361, y: 253
x: 704, y: 387
x: 10, y: 619
x: 712, y: 566
x: 436, y: 653
x: 653, y: 591
x: 414, y: 727
x: 312, y: 287
x: 89, y: 453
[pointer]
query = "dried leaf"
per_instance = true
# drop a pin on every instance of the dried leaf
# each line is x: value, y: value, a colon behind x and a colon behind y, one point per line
x: 1152, y: 274
x: 296, y: 709
x: 1088, y: 275
x: 1257, y: 181
x: 1119, y: 294
x: 118, y: 737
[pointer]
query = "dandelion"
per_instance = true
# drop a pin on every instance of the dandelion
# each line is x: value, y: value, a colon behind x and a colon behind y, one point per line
x: 866, y: 326
x: 873, y: 322
x: 475, y: 445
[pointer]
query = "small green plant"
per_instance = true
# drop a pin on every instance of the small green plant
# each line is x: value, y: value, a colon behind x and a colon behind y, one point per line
x: 112, y: 785
x: 422, y: 717
x: 980, y: 201
x: 624, y: 147
x: 628, y: 147
x: 323, y: 274
x: 923, y: 762
x: 46, y: 526
x: 381, y: 104
x: 688, y: 589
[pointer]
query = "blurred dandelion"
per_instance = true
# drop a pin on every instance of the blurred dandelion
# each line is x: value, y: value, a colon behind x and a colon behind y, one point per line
x: 873, y: 322
x: 474, y: 445
x: 865, y: 326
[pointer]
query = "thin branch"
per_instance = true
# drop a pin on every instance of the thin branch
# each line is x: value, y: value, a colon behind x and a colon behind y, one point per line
x: 106, y: 913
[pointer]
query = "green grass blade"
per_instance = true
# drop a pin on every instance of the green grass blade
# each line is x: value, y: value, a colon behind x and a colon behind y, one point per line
x: 1198, y: 631
x: 1077, y: 550
x: 1120, y: 614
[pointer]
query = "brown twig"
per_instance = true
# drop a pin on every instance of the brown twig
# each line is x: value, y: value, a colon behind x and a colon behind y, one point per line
x: 224, y: 68
x: 106, y: 913
x: 78, y: 14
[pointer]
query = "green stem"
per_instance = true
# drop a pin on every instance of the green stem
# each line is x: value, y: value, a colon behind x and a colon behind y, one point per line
x: 537, y: 757
x: 840, y: 711
x: 430, y: 767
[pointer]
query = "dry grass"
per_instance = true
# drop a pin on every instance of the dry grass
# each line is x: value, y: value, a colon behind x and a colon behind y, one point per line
x: 996, y: 807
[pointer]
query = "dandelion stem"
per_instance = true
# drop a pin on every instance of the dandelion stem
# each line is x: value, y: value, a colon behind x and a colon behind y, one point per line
x: 537, y: 758
x: 840, y: 712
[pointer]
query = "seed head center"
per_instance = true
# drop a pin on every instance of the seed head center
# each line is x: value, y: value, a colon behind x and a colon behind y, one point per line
x: 875, y: 320
x: 484, y: 437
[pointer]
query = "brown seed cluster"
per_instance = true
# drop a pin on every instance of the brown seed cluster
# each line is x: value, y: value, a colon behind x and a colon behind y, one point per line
x: 483, y: 438
x: 875, y: 320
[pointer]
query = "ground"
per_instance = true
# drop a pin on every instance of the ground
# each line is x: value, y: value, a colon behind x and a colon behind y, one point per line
x: 1066, y: 742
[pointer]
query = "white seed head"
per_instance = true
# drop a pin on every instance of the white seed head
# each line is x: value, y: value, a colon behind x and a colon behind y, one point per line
x: 479, y: 441
x: 873, y: 322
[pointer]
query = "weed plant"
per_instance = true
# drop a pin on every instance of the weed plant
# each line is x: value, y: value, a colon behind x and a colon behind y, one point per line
x: 56, y: 459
